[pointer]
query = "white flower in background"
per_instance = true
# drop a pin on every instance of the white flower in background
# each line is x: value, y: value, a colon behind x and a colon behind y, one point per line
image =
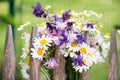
x: 74, y: 13
x: 44, y: 41
x: 59, y: 13
x: 101, y: 24
x: 25, y: 23
x: 25, y: 70
x: 47, y: 7
x: 105, y: 47
x: 26, y: 37
x: 41, y: 27
x: 118, y: 31
x: 77, y: 26
x: 107, y: 35
x: 37, y: 52
x: 87, y: 13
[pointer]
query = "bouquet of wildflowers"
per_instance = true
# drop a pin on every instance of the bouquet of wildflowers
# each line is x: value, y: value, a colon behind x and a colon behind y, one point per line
x: 76, y: 34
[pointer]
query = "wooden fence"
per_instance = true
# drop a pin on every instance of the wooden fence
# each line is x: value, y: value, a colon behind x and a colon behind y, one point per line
x: 59, y: 73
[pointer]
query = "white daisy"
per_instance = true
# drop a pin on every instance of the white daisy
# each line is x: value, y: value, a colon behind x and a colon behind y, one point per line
x: 74, y: 13
x: 47, y: 7
x: 73, y: 46
x: 107, y: 35
x: 25, y: 70
x: 77, y: 26
x: 25, y: 23
x: 41, y: 27
x: 59, y: 13
x: 37, y: 52
x: 25, y: 50
x: 67, y: 53
x: 81, y: 63
x: 87, y: 13
x: 43, y: 42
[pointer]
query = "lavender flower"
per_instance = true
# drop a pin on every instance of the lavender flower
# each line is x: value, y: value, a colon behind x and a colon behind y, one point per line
x: 90, y: 25
x: 56, y: 18
x: 63, y: 38
x: 51, y: 63
x: 80, y: 39
x: 66, y: 16
x: 38, y: 11
x: 78, y: 61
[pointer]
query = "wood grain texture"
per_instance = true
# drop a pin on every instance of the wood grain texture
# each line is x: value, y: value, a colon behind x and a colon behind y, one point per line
x: 59, y: 72
x: 34, y: 63
x: 9, y: 56
x: 113, y: 58
x: 85, y: 74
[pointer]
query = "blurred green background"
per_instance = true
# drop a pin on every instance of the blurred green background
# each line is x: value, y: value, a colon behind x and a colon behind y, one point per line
x: 23, y: 11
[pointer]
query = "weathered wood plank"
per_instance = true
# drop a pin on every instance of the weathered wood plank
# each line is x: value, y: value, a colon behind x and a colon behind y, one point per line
x: 34, y: 63
x: 59, y: 72
x: 9, y: 56
x: 113, y: 58
x: 85, y: 74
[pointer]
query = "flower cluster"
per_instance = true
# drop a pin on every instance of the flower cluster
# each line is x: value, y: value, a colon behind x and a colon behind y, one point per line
x: 76, y: 34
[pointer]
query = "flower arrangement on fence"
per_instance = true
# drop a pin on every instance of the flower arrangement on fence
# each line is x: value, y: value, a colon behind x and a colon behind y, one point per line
x: 77, y: 35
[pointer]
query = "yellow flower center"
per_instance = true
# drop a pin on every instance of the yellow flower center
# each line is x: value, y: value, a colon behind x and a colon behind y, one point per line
x: 28, y: 62
x: 20, y: 26
x: 76, y: 24
x: 43, y: 42
x: 59, y: 13
x: 99, y: 29
x: 102, y: 23
x: 40, y: 50
x: 83, y: 50
x: 87, y: 12
x: 89, y: 54
x: 84, y: 62
x: 107, y: 34
x: 71, y: 17
x: 25, y: 22
x: 74, y: 44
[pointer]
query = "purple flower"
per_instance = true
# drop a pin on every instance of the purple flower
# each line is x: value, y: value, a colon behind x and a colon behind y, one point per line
x: 90, y: 25
x: 80, y: 39
x: 78, y: 61
x: 63, y: 38
x: 66, y: 16
x: 51, y: 63
x: 38, y: 11
x: 56, y: 18
x: 69, y: 24
x: 50, y: 27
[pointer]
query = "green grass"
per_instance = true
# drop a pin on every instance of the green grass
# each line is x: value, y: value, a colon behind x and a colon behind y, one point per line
x: 109, y: 9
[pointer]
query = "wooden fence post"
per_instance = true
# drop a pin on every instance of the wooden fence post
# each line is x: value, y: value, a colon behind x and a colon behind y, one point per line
x: 59, y: 72
x: 34, y: 63
x: 113, y: 58
x: 85, y: 74
x: 9, y: 56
